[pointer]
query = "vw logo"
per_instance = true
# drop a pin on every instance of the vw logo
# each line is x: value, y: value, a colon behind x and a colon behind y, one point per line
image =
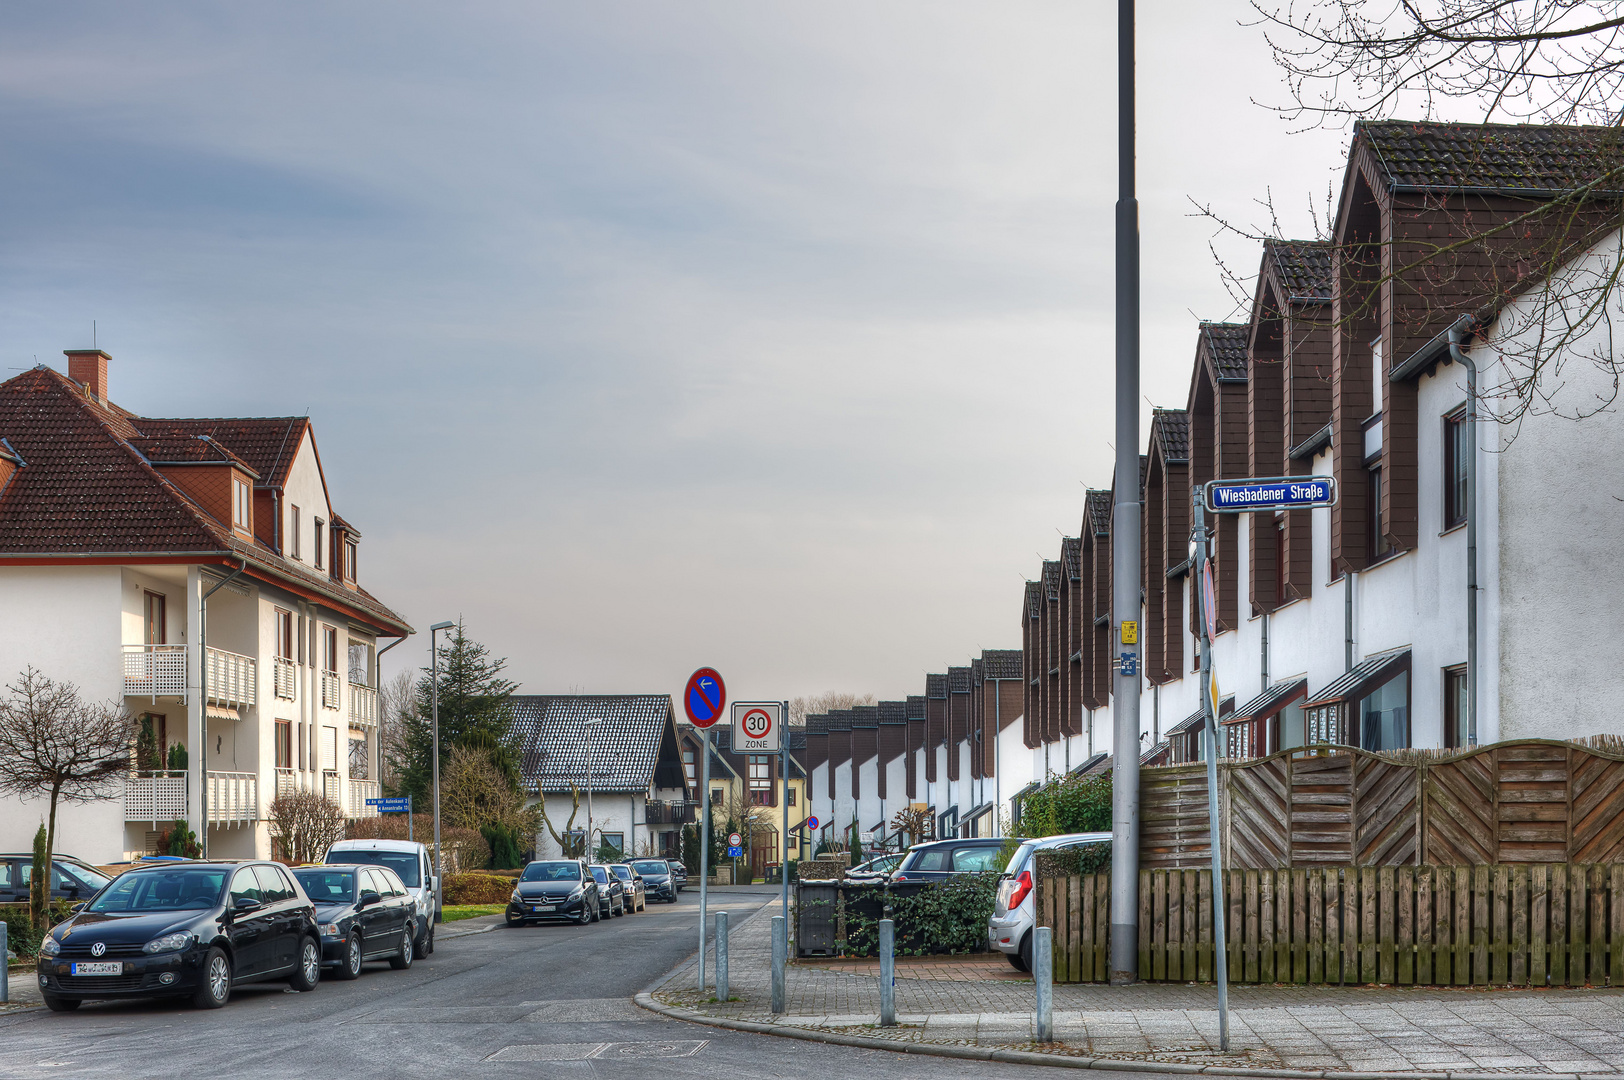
x: 97, y: 949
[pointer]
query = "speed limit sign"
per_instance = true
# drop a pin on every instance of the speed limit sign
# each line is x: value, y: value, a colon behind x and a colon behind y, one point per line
x: 756, y: 725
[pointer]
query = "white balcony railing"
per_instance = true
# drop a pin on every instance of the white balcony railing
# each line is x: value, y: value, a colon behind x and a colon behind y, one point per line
x: 157, y: 798
x: 363, y: 704
x: 285, y: 678
x: 155, y: 671
x: 233, y: 679
x: 329, y: 689
x: 286, y: 782
x: 360, y: 791
x: 233, y: 797
x: 329, y: 787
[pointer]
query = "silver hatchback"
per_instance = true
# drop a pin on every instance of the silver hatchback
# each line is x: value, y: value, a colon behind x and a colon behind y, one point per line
x: 1014, y: 911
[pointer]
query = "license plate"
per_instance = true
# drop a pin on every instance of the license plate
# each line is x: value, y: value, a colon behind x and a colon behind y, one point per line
x: 542, y: 907
x: 104, y: 968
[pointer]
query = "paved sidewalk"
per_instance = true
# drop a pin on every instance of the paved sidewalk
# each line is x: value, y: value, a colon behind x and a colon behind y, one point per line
x: 979, y: 1002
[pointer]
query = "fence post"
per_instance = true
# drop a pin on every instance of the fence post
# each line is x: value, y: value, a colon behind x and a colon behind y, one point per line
x: 780, y: 954
x: 1043, y: 981
x: 888, y: 974
x: 721, y: 956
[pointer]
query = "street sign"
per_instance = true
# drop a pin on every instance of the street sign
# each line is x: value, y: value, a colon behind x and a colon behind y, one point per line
x: 1209, y: 601
x: 1269, y: 493
x: 704, y: 696
x: 735, y: 852
x: 756, y: 726
x: 812, y: 824
x: 734, y: 840
x: 391, y: 806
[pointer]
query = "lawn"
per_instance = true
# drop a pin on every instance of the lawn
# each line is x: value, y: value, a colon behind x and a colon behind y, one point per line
x: 458, y: 912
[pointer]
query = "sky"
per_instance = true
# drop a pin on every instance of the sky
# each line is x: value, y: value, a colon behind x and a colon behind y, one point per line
x: 773, y: 337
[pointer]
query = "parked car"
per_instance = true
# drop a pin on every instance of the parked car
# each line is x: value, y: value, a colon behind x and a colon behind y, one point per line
x: 413, y: 864
x: 611, y: 893
x: 876, y: 869
x: 1014, y: 910
x: 636, y: 894
x: 679, y: 872
x: 937, y: 860
x: 555, y: 889
x: 364, y: 913
x: 192, y: 929
x: 658, y: 881
x: 72, y: 879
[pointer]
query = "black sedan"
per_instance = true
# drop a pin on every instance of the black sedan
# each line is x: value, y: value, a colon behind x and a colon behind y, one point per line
x: 611, y: 893
x: 679, y: 873
x: 365, y: 913
x: 658, y: 881
x: 192, y: 929
x: 555, y: 889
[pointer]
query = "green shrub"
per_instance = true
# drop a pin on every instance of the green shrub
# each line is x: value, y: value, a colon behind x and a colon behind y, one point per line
x: 477, y: 889
x: 1068, y: 804
x: 945, y: 917
x: 504, y: 842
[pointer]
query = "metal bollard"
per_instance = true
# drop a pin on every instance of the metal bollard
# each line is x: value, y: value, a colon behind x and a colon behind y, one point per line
x: 888, y: 973
x: 5, y: 983
x: 1043, y: 980
x: 780, y: 956
x: 721, y: 956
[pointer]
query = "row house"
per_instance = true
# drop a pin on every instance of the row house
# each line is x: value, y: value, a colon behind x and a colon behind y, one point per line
x: 1348, y: 624
x: 195, y: 572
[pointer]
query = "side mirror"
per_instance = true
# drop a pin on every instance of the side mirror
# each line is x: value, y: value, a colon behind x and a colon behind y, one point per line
x: 368, y: 898
x: 244, y: 904
x: 80, y: 906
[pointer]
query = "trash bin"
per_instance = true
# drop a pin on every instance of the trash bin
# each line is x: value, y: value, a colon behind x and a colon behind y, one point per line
x: 815, y: 917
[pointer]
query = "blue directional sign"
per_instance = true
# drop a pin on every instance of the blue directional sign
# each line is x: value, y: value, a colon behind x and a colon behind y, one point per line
x: 1270, y: 493
x: 391, y: 806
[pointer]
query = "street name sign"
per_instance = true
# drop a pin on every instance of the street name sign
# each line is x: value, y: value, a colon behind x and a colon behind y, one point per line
x: 704, y: 696
x: 756, y: 726
x: 1269, y: 493
x: 391, y: 806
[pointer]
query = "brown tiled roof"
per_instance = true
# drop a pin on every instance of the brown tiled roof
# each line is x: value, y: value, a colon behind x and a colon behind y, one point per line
x: 893, y: 712
x: 1071, y: 557
x: 865, y: 716
x: 1034, y: 599
x: 88, y: 489
x: 1172, y: 433
x: 1001, y: 663
x: 1303, y: 267
x: 1532, y: 158
x: 936, y: 686
x: 1097, y: 510
x: 958, y: 680
x: 1051, y: 579
x: 187, y: 449
x: 1226, y: 345
x: 916, y: 706
x: 976, y: 677
x: 266, y: 443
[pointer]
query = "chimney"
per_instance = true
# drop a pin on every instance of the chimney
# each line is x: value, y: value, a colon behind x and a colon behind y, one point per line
x: 88, y: 368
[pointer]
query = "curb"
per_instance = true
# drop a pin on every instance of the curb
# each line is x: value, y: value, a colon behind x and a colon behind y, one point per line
x: 646, y: 1001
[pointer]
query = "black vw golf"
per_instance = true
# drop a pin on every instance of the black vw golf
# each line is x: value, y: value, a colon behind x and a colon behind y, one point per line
x: 193, y: 929
x: 554, y: 889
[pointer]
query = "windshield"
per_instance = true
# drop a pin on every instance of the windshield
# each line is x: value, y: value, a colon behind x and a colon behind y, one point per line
x: 659, y: 869
x: 327, y: 886
x: 600, y: 874
x: 403, y: 863
x: 552, y: 871
x: 624, y: 873
x: 161, y: 890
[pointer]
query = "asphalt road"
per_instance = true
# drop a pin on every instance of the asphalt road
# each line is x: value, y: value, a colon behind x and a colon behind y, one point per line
x: 547, y: 1001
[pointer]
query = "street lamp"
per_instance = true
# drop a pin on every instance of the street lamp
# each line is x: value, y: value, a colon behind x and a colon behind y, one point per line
x: 589, y: 723
x: 434, y: 697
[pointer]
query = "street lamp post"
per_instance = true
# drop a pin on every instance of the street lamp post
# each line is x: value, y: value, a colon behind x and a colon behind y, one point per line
x: 589, y: 723
x: 434, y: 698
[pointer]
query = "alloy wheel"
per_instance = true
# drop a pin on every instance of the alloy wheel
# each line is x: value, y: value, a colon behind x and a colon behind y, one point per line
x: 219, y: 977
x: 311, y: 961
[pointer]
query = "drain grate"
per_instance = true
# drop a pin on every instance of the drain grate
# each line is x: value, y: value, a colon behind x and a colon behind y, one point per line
x: 669, y: 1048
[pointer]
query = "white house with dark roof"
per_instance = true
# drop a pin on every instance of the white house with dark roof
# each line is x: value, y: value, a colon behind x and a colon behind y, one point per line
x: 619, y: 752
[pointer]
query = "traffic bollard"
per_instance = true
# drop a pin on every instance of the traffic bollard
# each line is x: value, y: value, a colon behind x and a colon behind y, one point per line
x: 721, y: 956
x: 888, y: 973
x: 1043, y: 980
x: 780, y: 955
x: 5, y: 983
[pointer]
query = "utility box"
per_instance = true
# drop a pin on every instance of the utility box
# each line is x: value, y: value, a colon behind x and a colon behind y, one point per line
x: 815, y: 904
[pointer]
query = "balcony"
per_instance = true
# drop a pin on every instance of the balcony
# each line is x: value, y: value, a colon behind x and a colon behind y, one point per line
x: 286, y: 782
x: 154, y: 671
x: 360, y: 791
x: 329, y: 689
x: 363, y: 704
x: 285, y: 678
x: 156, y: 798
x: 233, y: 798
x: 668, y: 812
x: 329, y: 787
x: 233, y: 679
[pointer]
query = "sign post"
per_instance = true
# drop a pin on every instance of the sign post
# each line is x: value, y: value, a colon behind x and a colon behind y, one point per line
x: 702, y: 700
x: 783, y: 857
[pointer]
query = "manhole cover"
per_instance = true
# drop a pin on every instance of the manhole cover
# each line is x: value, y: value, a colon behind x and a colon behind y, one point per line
x: 673, y: 1048
x: 599, y: 1051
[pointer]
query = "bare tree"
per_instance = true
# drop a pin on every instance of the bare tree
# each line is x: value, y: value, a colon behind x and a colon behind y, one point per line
x: 916, y: 824
x: 304, y: 824
x: 565, y: 840
x: 475, y: 791
x: 55, y: 745
x: 397, y: 707
x: 802, y: 707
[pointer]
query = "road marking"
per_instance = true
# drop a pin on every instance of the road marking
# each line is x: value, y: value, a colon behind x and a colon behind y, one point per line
x: 599, y: 1051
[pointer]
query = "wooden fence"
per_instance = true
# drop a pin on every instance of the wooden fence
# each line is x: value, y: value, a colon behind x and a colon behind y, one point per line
x: 1478, y: 925
x: 1527, y: 802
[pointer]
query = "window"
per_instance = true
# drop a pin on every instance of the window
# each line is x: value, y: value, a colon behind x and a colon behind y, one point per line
x: 1384, y: 715
x: 615, y: 840
x: 245, y: 886
x: 1280, y: 557
x: 284, y: 634
x: 976, y: 860
x: 688, y: 765
x: 360, y: 759
x: 316, y: 554
x: 349, y: 559
x: 1378, y: 372
x: 271, y: 886
x: 790, y: 796
x: 1456, y: 721
x: 242, y: 505
x: 284, y: 744
x: 761, y: 773
x: 157, y: 621
x: 1376, y: 538
x: 360, y: 663
x: 329, y: 749
x: 293, y: 530
x: 1325, y: 724
x: 329, y: 649
x: 1456, y: 455
x: 716, y: 796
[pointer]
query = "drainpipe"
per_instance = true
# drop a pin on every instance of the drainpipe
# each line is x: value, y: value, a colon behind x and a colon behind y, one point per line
x: 1457, y: 336
x: 203, y: 695
x: 1347, y: 619
x: 1265, y: 651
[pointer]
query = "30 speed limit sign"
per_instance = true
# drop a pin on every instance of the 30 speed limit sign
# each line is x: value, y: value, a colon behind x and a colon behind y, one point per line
x: 756, y: 725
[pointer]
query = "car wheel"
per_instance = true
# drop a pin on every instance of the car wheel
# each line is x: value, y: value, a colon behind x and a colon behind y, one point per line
x: 1015, y: 961
x: 308, y: 974
x: 215, y: 989
x: 350, y: 966
x: 1026, y: 952
x: 57, y: 1004
x: 430, y: 950
x: 513, y: 924
x: 403, y: 955
x: 584, y: 917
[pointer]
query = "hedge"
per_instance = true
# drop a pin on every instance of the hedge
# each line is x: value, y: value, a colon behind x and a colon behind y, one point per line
x: 477, y: 889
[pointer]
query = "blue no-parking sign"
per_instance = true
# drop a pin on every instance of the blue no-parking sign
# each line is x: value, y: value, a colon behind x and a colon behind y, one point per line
x: 704, y: 697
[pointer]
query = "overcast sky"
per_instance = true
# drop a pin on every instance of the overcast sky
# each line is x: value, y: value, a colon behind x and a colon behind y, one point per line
x: 770, y: 336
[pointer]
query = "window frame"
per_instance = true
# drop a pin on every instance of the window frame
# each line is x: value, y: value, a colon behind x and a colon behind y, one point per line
x: 284, y: 633
x: 1457, y: 497
x: 1455, y: 691
x: 284, y: 744
x: 294, y: 547
x: 242, y: 504
x: 162, y: 623
x: 318, y: 524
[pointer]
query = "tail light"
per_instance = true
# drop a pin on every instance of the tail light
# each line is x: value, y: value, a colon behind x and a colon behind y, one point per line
x: 1023, y: 885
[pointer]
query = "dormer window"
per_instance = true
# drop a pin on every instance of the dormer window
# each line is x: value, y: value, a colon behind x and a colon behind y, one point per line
x: 319, y: 523
x: 242, y: 504
x: 294, y: 548
x: 349, y: 559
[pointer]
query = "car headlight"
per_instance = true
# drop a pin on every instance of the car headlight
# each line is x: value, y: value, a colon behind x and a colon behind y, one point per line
x: 49, y: 946
x: 168, y: 943
x: 515, y: 898
x: 329, y: 929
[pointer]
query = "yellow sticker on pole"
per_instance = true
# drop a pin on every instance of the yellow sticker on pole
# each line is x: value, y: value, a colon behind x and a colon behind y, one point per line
x: 1130, y: 632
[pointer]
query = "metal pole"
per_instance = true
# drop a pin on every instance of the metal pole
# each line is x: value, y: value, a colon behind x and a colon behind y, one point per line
x: 410, y: 814
x: 704, y: 846
x: 780, y: 956
x: 721, y: 956
x: 1125, y: 587
x: 1457, y: 337
x: 1210, y: 708
x: 434, y: 699
x: 1043, y: 981
x: 5, y: 981
x: 888, y: 973
x: 588, y: 852
x: 783, y: 861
